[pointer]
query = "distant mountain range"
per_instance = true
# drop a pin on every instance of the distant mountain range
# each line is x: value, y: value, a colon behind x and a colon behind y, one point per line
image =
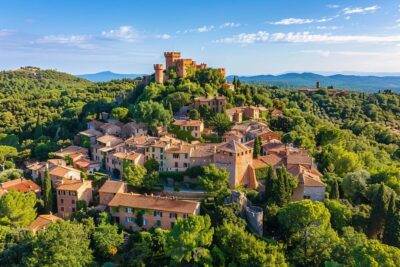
x: 365, y: 83
x: 338, y: 81
x: 106, y: 76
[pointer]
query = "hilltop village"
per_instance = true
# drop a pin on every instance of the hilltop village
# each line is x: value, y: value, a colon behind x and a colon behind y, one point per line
x: 184, y: 167
x: 108, y: 145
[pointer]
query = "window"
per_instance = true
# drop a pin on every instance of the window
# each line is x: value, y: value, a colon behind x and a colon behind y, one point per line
x: 153, y: 149
x: 307, y: 197
x: 186, y: 156
x: 172, y: 224
x: 62, y: 201
x: 129, y: 219
x: 175, y: 156
x: 158, y: 223
x: 73, y: 209
x: 73, y: 201
x: 184, y: 215
x: 173, y: 215
x: 185, y: 165
x: 62, y: 208
x: 144, y: 221
x: 161, y: 157
x: 157, y: 213
x: 176, y: 164
x: 161, y: 150
x: 128, y: 210
x: 161, y: 163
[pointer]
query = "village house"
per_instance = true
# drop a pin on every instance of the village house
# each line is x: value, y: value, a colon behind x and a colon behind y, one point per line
x: 136, y: 212
x: 42, y: 222
x: 133, y: 129
x: 110, y: 129
x: 234, y: 135
x: 58, y: 173
x: 177, y: 157
x: 115, y: 161
x: 109, y: 189
x: 298, y: 163
x: 94, y: 125
x: 69, y: 192
x: 104, y: 146
x: 250, y: 130
x: 317, y: 89
x: 195, y: 127
x: 238, y: 114
x: 21, y: 185
x: 216, y: 103
x: 70, y: 150
x: 87, y: 137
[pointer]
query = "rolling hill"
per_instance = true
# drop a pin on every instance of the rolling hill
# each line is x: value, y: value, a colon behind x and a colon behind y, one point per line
x: 106, y: 76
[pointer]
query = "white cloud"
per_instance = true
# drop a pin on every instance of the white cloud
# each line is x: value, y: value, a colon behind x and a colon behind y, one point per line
x: 360, y: 10
x: 291, y: 21
x: 229, y: 25
x: 123, y: 33
x: 306, y: 37
x: 327, y: 27
x: 204, y: 28
x: 5, y: 32
x: 63, y: 39
x: 333, y: 6
x: 163, y: 36
x: 327, y: 53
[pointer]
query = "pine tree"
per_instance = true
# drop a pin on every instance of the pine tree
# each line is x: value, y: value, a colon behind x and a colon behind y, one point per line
x: 38, y: 132
x: 48, y: 193
x: 257, y: 147
x: 391, y: 234
x: 335, y: 190
x: 234, y: 82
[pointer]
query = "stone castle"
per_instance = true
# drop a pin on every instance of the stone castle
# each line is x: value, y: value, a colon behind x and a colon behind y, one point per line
x: 183, y: 67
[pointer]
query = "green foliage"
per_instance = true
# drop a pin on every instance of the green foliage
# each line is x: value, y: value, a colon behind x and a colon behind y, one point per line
x: 152, y: 113
x: 151, y: 180
x: 62, y: 244
x: 152, y: 165
x: 215, y: 181
x: 257, y: 147
x: 133, y: 174
x: 354, y: 186
x: 178, y: 100
x: 341, y: 215
x: 190, y: 239
x: 194, y: 114
x: 279, y: 186
x: 119, y: 113
x: 17, y: 209
x: 239, y: 248
x: 107, y: 240
x: 220, y: 123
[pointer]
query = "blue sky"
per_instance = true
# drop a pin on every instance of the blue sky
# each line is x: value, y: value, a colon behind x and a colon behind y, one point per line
x: 246, y: 37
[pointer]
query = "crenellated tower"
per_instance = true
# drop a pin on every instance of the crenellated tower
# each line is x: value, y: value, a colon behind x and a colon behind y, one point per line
x: 170, y: 58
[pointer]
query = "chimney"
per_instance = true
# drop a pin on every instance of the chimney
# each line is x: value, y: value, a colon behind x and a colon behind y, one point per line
x: 317, y: 85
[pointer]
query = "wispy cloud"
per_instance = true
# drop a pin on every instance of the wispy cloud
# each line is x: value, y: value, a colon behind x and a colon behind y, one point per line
x: 229, y: 25
x: 291, y: 21
x: 123, y: 33
x: 294, y: 21
x: 5, y: 32
x: 74, y: 40
x: 327, y: 53
x: 306, y: 37
x: 360, y: 10
x: 164, y: 36
x: 203, y: 29
x: 327, y: 27
x: 333, y: 6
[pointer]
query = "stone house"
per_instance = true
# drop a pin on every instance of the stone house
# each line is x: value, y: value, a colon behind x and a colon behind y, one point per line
x: 109, y: 189
x: 195, y: 127
x: 136, y: 212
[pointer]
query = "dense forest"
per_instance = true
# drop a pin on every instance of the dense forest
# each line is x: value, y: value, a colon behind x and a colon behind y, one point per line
x: 354, y: 140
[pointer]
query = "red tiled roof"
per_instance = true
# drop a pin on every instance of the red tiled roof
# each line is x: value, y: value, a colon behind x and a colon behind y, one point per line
x: 153, y: 203
x: 20, y: 185
x: 113, y: 187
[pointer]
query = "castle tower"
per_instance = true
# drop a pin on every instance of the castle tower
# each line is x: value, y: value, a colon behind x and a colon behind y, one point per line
x: 159, y: 73
x: 170, y: 58
x: 222, y: 72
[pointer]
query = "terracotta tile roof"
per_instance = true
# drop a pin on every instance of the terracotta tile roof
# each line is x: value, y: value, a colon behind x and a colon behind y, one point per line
x: 84, y: 163
x: 64, y: 152
x: 233, y: 147
x: 73, y: 185
x: 154, y: 203
x: 42, y: 221
x: 36, y: 166
x: 111, y: 186
x: 299, y: 158
x: 259, y: 164
x: 91, y: 133
x: 140, y: 140
x: 203, y: 150
x: 109, y: 138
x: 272, y: 159
x: 108, y: 126
x: 187, y: 122
x: 182, y: 149
x: 234, y: 133
x: 61, y: 171
x: 20, y: 185
x: 57, y: 162
x: 129, y: 156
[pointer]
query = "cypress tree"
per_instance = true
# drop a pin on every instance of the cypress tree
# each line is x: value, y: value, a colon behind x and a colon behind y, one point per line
x: 269, y: 183
x: 48, y: 193
x: 335, y: 190
x: 280, y: 191
x: 170, y: 109
x: 257, y: 147
x: 380, y: 205
x: 391, y: 234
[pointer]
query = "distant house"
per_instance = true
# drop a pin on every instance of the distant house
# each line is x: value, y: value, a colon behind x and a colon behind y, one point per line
x: 138, y: 212
x: 115, y: 161
x: 67, y: 151
x: 134, y: 129
x: 58, y: 173
x: 90, y: 135
x: 42, y: 222
x: 238, y: 114
x: 216, y: 104
x: 94, y: 125
x: 110, y: 128
x: 195, y: 127
x: 69, y: 192
x: 21, y: 185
